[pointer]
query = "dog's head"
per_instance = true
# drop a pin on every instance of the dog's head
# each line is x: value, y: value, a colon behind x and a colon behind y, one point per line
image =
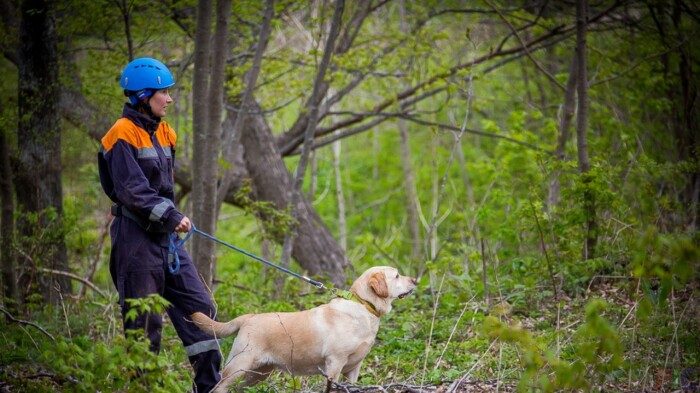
x: 380, y: 285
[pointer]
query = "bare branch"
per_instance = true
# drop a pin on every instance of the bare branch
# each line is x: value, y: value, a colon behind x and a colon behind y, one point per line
x: 291, y: 144
x: 525, y: 47
x: 23, y: 322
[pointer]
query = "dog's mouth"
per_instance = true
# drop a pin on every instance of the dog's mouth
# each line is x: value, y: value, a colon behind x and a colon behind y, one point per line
x: 403, y: 295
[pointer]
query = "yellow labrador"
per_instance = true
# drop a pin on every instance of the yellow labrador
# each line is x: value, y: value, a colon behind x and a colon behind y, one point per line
x: 331, y: 339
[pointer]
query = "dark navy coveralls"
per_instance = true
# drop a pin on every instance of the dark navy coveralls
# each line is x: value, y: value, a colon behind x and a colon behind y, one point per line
x: 136, y: 164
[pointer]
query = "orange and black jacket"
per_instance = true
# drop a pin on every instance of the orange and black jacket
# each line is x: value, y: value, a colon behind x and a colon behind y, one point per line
x: 136, y: 165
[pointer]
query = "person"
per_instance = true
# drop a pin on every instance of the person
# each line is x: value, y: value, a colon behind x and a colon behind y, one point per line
x: 136, y: 167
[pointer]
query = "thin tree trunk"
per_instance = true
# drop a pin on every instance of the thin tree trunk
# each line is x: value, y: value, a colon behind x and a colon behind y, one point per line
x: 247, y: 103
x: 687, y: 132
x: 7, y: 225
x: 38, y: 176
x: 408, y: 175
x: 208, y: 211
x: 202, y: 186
x: 567, y: 112
x: 591, y: 236
x: 200, y: 93
x: 340, y: 198
x: 411, y: 193
x: 295, y: 192
x: 484, y: 275
x: 125, y: 9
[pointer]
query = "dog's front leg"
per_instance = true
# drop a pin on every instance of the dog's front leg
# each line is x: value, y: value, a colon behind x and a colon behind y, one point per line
x: 334, y: 368
x: 353, y: 374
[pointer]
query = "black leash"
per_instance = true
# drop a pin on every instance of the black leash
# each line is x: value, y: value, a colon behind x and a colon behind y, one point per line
x: 175, y: 244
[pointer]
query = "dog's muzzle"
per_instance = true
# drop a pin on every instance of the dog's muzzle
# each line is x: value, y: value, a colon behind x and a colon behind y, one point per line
x: 403, y: 295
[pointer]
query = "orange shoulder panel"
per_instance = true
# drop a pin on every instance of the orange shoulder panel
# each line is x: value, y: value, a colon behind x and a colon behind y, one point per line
x: 166, y: 135
x: 124, y: 129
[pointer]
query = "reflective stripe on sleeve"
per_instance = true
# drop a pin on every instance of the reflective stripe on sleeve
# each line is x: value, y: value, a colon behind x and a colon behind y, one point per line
x: 166, y: 151
x: 159, y: 209
x: 147, y: 152
x: 201, y: 347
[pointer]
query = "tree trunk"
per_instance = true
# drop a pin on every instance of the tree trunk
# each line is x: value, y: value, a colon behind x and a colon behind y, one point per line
x: 340, y: 198
x: 232, y: 141
x: 567, y: 113
x: 687, y: 130
x: 7, y: 225
x: 591, y: 236
x: 314, y: 247
x: 203, y: 161
x: 409, y: 182
x: 38, y: 176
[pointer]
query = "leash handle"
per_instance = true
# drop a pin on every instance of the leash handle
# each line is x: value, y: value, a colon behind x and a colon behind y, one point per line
x: 175, y: 242
x: 308, y: 280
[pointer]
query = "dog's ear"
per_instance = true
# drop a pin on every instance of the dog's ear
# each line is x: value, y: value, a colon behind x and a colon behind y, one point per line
x: 377, y: 281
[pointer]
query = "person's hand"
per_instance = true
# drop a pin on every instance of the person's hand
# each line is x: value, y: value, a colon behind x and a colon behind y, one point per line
x: 185, y: 225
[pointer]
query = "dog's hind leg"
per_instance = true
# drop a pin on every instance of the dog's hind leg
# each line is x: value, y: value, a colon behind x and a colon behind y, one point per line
x: 235, y: 371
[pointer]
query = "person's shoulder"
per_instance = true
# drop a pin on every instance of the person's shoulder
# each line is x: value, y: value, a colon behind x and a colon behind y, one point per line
x: 124, y: 130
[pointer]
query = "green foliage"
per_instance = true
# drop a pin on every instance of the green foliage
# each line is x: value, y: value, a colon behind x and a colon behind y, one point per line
x: 153, y: 303
x: 595, y: 352
x: 124, y: 364
x: 275, y: 222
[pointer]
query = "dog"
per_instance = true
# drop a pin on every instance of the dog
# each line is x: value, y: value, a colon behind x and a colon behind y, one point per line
x: 331, y: 339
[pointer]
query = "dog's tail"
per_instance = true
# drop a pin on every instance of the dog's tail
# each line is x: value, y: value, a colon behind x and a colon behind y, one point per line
x: 218, y: 329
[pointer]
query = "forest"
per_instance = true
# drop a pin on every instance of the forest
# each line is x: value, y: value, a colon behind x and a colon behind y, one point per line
x: 532, y: 163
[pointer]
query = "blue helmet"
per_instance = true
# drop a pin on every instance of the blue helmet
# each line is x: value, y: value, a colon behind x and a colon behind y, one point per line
x: 142, y: 76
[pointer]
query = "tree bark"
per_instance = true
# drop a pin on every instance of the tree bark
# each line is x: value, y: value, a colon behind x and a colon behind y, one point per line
x: 314, y: 248
x: 38, y: 175
x: 584, y: 165
x: 7, y: 225
x: 247, y: 101
x: 688, y: 129
x: 409, y: 181
x: 203, y: 159
x: 567, y: 113
x: 340, y: 197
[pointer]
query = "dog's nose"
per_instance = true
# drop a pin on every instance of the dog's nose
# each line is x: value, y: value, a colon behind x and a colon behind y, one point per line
x: 414, y: 281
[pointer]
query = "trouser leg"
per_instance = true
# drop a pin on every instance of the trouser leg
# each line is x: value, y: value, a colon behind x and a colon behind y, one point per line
x: 188, y: 294
x: 202, y: 351
x: 139, y: 285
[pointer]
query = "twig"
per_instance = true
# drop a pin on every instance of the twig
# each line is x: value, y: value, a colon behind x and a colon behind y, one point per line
x: 30, y: 323
x: 98, y: 254
x: 454, y: 385
x: 546, y: 254
x: 454, y: 328
x: 526, y: 48
x: 432, y: 325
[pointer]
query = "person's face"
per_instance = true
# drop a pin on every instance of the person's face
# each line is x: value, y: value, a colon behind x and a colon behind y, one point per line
x: 159, y: 102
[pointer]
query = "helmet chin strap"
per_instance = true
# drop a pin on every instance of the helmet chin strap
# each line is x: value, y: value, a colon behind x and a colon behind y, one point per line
x: 139, y: 100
